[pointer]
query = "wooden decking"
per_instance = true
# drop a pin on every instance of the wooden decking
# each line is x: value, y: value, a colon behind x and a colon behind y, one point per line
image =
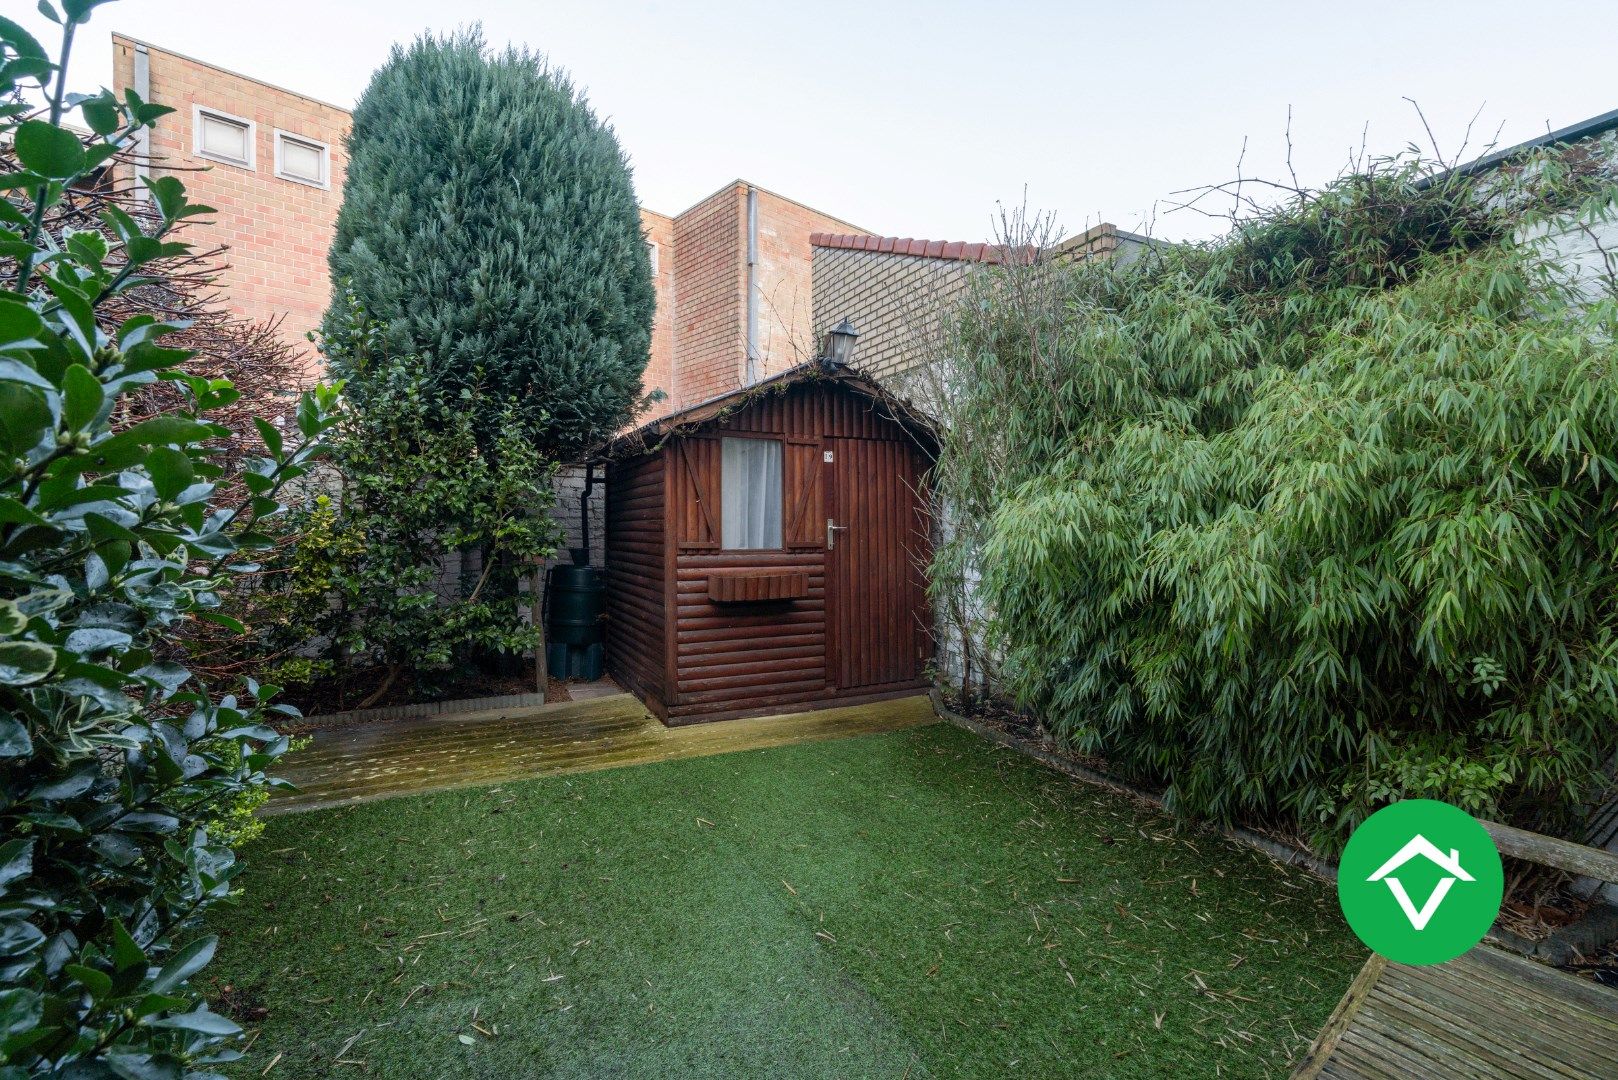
x: 1487, y: 1014
x: 381, y: 760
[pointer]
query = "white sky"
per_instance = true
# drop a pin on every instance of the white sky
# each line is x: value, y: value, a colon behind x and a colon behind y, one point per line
x: 915, y: 118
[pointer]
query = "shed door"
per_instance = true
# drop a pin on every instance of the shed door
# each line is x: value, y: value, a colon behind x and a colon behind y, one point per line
x: 873, y: 579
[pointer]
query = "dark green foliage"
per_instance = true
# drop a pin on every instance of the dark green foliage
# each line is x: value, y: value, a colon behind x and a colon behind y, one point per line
x: 113, y: 759
x: 917, y: 904
x: 407, y: 487
x: 490, y: 224
x: 1319, y: 516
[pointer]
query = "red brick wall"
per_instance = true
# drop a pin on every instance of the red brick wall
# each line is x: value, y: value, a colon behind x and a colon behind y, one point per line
x: 710, y: 322
x: 659, y: 229
x: 710, y: 333
x: 784, y: 278
x: 276, y: 231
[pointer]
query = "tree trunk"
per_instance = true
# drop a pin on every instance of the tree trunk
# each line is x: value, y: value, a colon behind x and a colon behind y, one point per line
x: 387, y: 684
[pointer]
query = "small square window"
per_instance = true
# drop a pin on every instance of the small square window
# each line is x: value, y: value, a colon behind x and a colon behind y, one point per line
x: 220, y: 136
x: 302, y: 160
x: 750, y: 494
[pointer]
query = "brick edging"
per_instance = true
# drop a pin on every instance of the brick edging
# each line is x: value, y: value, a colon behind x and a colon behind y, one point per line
x: 424, y: 710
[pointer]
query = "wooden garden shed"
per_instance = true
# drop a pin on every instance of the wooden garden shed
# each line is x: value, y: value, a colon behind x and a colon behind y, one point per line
x: 766, y: 549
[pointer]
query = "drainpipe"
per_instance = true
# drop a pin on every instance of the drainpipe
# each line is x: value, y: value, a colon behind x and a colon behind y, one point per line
x: 754, y: 372
x: 143, y: 137
x: 584, y: 512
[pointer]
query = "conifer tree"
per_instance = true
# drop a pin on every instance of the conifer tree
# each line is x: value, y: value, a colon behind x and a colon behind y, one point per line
x: 490, y: 223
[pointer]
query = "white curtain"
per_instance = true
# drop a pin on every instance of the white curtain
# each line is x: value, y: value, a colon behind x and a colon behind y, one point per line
x: 750, y: 493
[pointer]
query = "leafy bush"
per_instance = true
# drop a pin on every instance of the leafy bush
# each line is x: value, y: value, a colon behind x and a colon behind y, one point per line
x: 1318, y: 516
x: 405, y: 489
x: 111, y: 538
x: 527, y: 277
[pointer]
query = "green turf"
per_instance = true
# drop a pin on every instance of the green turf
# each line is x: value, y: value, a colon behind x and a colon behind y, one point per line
x: 910, y: 904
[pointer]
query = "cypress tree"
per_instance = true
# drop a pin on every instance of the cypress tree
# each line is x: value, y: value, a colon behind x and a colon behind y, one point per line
x: 489, y: 223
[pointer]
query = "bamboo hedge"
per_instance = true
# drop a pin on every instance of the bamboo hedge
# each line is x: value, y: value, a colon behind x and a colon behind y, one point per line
x: 1317, y: 516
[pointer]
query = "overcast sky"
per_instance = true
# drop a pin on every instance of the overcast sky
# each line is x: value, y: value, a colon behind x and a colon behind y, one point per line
x: 915, y: 119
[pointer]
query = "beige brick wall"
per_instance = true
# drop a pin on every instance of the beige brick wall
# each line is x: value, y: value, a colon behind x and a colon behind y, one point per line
x: 898, y: 303
x: 275, y: 231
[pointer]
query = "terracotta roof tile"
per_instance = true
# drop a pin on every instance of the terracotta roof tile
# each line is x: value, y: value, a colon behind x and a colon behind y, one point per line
x: 951, y: 250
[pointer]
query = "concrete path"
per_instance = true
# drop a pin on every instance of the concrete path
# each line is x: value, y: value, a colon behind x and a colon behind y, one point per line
x: 389, y: 758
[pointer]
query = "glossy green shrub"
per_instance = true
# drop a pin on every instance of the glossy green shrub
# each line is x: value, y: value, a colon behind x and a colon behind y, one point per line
x: 113, y: 759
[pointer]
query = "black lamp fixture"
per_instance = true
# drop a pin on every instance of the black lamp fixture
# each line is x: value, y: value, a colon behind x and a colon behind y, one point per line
x: 838, y: 348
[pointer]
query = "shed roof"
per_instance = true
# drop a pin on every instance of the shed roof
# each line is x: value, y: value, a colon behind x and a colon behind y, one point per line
x: 650, y: 436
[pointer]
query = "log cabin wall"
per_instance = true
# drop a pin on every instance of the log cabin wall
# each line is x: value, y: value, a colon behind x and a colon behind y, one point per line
x: 730, y: 654
x: 636, y: 576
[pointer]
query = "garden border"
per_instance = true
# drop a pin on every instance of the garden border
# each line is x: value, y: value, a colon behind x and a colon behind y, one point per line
x: 425, y: 710
x: 1596, y: 929
x: 1275, y: 849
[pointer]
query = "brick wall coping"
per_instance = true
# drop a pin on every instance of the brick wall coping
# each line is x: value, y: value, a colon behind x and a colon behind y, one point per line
x: 1101, y: 237
x: 951, y: 250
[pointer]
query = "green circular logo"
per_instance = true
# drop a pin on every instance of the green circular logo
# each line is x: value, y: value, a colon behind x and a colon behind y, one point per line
x: 1420, y: 882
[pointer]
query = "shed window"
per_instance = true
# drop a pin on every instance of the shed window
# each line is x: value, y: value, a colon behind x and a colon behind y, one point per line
x: 750, y: 493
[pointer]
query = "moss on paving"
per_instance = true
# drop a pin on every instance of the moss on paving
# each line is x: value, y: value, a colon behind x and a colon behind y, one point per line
x: 916, y: 904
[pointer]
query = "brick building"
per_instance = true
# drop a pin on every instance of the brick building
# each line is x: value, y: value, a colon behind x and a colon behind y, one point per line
x: 270, y: 161
x: 733, y: 273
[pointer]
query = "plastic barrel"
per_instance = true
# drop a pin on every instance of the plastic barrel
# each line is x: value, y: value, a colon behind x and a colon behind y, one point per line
x: 577, y: 597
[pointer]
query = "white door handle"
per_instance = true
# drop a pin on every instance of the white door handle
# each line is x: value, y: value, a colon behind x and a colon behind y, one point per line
x: 832, y: 529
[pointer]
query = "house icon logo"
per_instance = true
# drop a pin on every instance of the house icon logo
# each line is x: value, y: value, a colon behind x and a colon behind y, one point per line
x: 1421, y: 846
x: 1420, y: 882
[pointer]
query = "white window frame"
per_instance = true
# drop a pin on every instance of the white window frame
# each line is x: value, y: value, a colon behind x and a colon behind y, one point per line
x: 197, y: 150
x: 324, y: 183
x: 729, y: 489
x: 652, y: 252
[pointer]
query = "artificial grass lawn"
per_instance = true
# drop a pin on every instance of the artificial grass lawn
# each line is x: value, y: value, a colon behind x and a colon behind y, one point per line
x: 911, y: 904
